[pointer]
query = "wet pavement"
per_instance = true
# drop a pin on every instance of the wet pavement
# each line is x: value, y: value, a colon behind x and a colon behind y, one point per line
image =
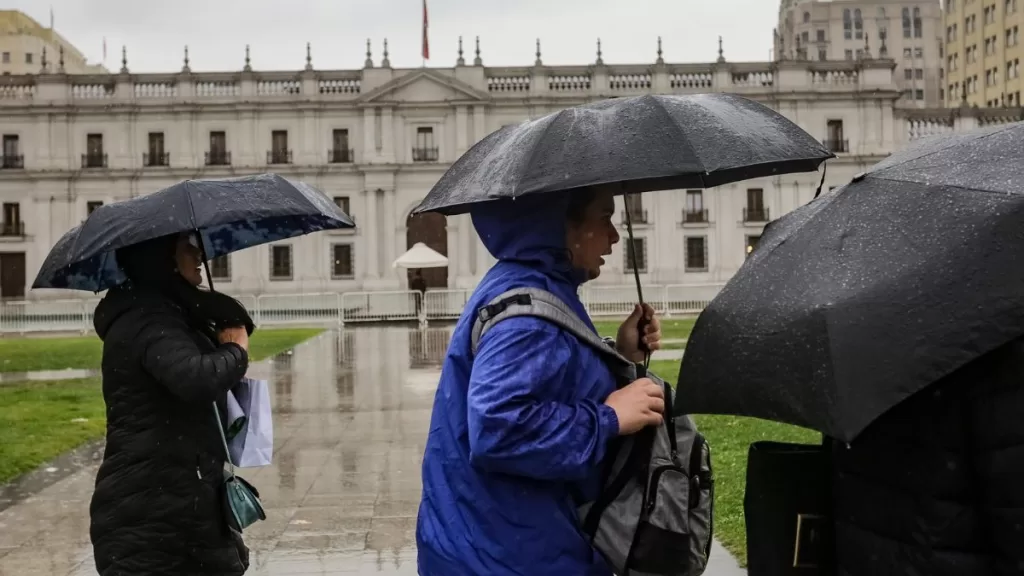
x: 352, y: 411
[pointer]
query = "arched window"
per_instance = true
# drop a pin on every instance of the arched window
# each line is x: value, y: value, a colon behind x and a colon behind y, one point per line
x: 858, y: 24
x: 906, y: 23
x: 917, y: 23
x: 847, y: 24
x: 807, y: 17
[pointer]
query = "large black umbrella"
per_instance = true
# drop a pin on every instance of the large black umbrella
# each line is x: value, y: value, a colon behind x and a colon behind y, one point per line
x: 645, y: 142
x: 870, y: 293
x: 230, y: 214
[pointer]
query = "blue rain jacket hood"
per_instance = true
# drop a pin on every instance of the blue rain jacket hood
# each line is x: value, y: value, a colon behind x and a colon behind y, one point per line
x: 520, y: 427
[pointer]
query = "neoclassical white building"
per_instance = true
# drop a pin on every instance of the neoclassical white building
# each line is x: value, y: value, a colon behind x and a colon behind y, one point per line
x: 378, y: 138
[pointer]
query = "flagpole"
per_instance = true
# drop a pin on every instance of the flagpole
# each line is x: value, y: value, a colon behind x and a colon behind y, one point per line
x: 425, y: 48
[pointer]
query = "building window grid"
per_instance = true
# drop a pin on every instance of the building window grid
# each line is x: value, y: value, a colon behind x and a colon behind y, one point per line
x: 11, y: 224
x: 696, y: 257
x: 639, y: 246
x: 344, y: 203
x: 220, y: 268
x: 281, y: 262
x: 751, y: 244
x: 342, y: 264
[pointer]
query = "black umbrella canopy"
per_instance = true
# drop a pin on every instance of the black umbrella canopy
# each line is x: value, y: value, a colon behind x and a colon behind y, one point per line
x: 231, y: 214
x: 646, y: 143
x: 872, y: 292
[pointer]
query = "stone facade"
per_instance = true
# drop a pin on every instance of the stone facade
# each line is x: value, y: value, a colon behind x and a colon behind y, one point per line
x: 378, y: 138
x: 908, y: 31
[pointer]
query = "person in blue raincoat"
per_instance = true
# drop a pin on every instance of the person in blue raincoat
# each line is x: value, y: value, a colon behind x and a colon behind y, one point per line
x: 526, y: 423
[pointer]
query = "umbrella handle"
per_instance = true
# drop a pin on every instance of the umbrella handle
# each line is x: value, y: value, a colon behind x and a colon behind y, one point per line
x: 824, y: 170
x: 206, y: 261
x: 641, y: 325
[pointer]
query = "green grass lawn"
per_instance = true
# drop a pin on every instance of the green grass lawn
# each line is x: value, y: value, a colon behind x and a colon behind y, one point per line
x: 671, y: 329
x: 27, y: 354
x: 730, y: 437
x: 37, y: 421
x: 270, y: 342
x: 41, y: 420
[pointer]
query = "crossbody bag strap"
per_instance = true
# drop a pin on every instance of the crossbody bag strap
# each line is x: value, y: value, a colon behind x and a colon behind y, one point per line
x: 224, y: 441
x: 543, y: 304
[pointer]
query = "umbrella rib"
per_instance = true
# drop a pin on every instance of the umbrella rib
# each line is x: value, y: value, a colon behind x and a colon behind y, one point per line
x: 951, y: 145
x: 686, y: 138
x: 944, y: 185
x: 191, y: 208
x: 536, y: 148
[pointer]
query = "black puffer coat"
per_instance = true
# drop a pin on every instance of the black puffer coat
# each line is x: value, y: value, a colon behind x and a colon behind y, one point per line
x: 157, y: 508
x: 935, y: 487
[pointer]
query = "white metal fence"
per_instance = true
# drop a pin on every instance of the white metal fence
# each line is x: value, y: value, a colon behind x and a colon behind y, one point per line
x: 332, y: 308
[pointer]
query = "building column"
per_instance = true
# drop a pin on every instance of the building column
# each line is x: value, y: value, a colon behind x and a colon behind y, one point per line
x: 479, y: 124
x: 454, y: 255
x: 245, y: 151
x: 184, y: 155
x: 370, y: 230
x: 369, y: 140
x: 61, y: 150
x: 390, y: 228
x: 464, y: 252
x: 308, y: 151
x: 388, y: 135
x: 461, y: 131
x: 125, y: 135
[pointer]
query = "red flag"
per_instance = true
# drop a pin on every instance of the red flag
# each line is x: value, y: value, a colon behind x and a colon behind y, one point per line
x: 426, y: 43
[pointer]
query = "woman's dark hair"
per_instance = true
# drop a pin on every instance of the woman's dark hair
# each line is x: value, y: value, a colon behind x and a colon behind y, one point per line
x: 579, y: 199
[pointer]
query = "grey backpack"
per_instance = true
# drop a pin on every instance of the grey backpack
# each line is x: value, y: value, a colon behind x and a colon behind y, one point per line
x: 654, y: 514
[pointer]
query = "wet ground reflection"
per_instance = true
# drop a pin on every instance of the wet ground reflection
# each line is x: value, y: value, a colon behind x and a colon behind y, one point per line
x: 352, y: 410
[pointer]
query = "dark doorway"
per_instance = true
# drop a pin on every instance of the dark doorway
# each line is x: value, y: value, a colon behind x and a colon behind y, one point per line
x: 432, y: 230
x: 12, y: 275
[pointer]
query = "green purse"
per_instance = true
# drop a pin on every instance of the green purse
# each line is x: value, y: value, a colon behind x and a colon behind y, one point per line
x: 242, y: 501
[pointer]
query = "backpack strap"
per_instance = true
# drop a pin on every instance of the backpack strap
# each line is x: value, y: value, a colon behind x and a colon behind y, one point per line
x: 543, y: 304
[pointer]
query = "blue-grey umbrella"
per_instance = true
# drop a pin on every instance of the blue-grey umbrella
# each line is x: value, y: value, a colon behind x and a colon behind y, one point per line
x: 646, y: 143
x: 230, y: 214
x: 870, y: 293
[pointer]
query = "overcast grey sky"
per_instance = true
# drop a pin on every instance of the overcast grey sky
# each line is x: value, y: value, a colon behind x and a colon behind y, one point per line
x: 216, y: 31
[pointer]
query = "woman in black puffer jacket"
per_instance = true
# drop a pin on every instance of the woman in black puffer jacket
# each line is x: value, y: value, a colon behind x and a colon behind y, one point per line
x: 935, y: 487
x: 170, y: 350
